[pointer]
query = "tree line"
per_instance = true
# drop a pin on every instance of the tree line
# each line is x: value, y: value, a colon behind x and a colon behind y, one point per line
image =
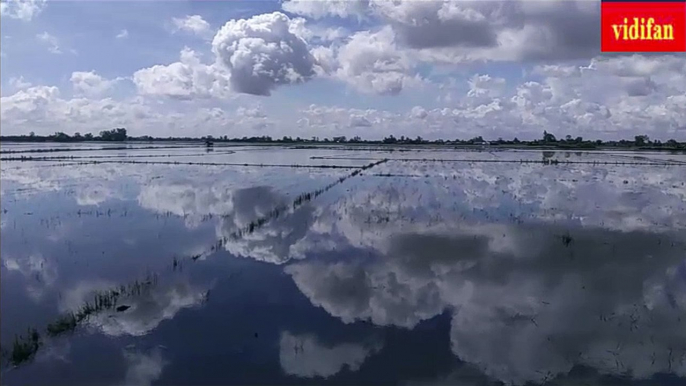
x: 118, y: 134
x: 547, y: 140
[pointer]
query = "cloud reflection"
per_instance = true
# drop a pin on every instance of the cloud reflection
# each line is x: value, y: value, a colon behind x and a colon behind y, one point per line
x: 305, y: 356
x: 146, y: 311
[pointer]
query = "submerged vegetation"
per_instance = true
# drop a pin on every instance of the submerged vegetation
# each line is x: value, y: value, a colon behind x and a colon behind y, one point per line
x: 26, y: 346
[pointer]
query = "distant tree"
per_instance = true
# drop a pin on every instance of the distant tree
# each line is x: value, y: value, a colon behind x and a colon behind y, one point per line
x: 641, y: 140
x: 478, y: 139
x: 547, y: 137
x: 579, y: 139
x: 61, y: 137
x: 568, y: 138
x: 516, y: 140
x: 118, y: 134
x: 599, y: 142
x: 390, y: 139
x: 32, y: 134
x: 339, y: 139
x: 672, y: 143
x: 88, y: 137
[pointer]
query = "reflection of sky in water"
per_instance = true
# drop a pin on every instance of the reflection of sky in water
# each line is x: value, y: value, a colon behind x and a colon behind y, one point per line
x: 452, y: 273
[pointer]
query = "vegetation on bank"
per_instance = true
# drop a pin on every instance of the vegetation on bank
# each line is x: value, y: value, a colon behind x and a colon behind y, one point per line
x: 548, y: 140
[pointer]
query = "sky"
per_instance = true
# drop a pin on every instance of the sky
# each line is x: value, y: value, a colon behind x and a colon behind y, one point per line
x: 324, y: 68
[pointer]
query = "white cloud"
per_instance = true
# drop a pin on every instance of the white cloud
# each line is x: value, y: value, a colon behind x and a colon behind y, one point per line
x: 22, y: 9
x: 263, y: 53
x: 449, y: 31
x: 319, y: 9
x: 90, y: 84
x: 193, y: 24
x: 50, y: 41
x: 123, y: 34
x: 186, y: 79
x: 316, y: 33
x: 609, y: 98
x: 371, y: 63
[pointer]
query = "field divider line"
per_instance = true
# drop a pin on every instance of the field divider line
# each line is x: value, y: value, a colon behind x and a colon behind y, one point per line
x: 65, y: 149
x: 285, y: 209
x: 523, y: 161
x: 197, y: 163
x: 71, y: 157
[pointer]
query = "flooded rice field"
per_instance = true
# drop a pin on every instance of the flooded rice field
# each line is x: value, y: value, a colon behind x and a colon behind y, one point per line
x: 171, y: 264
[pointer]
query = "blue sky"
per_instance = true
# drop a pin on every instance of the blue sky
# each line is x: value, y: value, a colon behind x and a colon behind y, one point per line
x: 356, y: 67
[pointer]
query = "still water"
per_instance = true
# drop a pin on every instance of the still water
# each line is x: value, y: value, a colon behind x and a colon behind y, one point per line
x: 429, y: 267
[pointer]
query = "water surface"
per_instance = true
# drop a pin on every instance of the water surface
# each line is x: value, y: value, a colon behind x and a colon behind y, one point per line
x: 433, y: 267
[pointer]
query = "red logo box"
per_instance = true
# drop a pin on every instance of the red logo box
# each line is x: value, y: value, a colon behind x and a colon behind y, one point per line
x: 645, y: 26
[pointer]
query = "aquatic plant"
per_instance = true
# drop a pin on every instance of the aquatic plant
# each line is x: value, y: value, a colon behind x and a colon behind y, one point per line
x: 63, y: 324
x: 25, y: 347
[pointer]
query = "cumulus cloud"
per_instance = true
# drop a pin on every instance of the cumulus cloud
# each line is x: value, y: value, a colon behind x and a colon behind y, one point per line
x: 607, y: 98
x: 193, y: 24
x: 319, y: 9
x: 448, y: 31
x: 307, y: 357
x: 371, y: 63
x: 186, y: 79
x: 315, y: 33
x: 91, y: 84
x: 24, y: 10
x: 43, y: 110
x: 262, y: 53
